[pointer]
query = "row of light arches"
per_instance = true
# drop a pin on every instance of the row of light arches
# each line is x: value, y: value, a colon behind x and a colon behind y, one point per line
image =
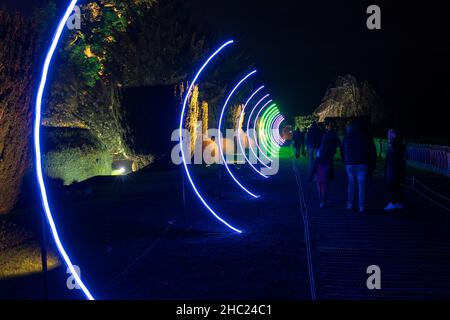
x: 265, y: 134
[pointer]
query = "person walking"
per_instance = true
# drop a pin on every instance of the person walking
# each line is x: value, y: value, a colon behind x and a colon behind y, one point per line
x: 297, y: 141
x: 395, y: 168
x: 331, y: 137
x: 313, y: 140
x: 359, y: 155
x: 323, y: 167
x: 303, y: 146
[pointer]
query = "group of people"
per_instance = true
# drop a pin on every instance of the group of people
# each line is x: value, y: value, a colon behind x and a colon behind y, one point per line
x: 358, y: 152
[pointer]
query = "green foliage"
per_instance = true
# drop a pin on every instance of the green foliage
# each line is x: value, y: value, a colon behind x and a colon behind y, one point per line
x: 89, y: 67
x: 305, y: 121
x: 90, y: 48
x: 74, y: 155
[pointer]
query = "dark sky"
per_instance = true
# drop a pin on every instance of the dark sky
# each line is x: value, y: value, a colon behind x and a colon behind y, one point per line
x: 300, y: 47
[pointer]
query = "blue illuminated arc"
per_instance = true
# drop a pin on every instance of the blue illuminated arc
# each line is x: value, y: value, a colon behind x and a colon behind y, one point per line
x: 37, y: 149
x: 254, y: 131
x: 183, y: 111
x: 220, y: 134
x: 241, y: 118
x: 272, y: 131
x: 248, y: 126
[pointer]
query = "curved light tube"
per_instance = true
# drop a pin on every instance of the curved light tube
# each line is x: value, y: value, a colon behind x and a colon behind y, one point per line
x: 268, y: 125
x: 270, y: 132
x: 255, y: 133
x: 37, y: 149
x: 264, y: 130
x: 276, y: 130
x: 254, y: 130
x: 188, y: 93
x: 220, y: 135
x: 271, y: 141
x: 241, y: 118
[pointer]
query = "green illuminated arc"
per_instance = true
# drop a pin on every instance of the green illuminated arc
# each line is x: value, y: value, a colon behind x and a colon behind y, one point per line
x: 266, y: 131
x: 271, y: 143
x: 267, y: 141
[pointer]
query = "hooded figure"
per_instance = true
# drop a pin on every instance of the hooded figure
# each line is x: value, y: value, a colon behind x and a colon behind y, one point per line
x: 395, y: 168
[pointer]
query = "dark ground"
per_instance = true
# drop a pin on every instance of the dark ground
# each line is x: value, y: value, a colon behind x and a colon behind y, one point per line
x: 134, y: 239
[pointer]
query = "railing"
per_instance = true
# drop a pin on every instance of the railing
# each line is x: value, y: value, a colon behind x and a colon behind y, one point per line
x: 422, y: 156
x: 427, y: 193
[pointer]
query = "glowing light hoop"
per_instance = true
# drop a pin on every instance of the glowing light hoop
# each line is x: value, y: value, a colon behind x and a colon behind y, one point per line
x: 272, y: 132
x: 254, y: 125
x: 254, y: 130
x: 271, y: 140
x: 276, y: 129
x: 241, y: 118
x: 220, y: 135
x: 265, y: 130
x: 264, y: 126
x: 188, y: 93
x: 37, y: 148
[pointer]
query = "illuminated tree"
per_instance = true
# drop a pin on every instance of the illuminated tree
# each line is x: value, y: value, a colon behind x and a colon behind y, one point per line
x: 192, y: 117
x: 205, y: 117
x: 90, y: 48
x: 121, y: 44
x: 234, y: 119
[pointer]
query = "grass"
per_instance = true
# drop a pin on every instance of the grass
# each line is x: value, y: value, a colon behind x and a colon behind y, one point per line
x: 20, y: 252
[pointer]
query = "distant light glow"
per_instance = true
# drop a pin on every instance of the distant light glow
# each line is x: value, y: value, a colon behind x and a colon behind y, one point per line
x: 183, y: 111
x: 37, y: 148
x: 241, y: 119
x: 220, y: 135
x: 119, y: 172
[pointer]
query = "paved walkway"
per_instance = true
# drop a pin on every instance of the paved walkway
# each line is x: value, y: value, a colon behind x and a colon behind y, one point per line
x: 135, y: 238
x: 411, y: 247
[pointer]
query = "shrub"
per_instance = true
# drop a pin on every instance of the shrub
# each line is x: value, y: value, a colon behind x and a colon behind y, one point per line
x: 74, y: 155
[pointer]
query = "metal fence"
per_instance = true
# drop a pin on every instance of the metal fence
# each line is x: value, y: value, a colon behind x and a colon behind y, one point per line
x: 422, y: 156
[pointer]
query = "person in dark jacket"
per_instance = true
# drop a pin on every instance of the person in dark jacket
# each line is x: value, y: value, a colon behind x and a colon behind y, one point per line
x: 323, y: 168
x: 299, y: 140
x: 359, y: 155
x: 303, y: 148
x: 313, y: 141
x: 330, y: 137
x: 395, y: 168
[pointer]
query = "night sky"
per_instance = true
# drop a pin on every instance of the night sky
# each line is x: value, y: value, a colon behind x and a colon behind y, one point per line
x: 300, y: 47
